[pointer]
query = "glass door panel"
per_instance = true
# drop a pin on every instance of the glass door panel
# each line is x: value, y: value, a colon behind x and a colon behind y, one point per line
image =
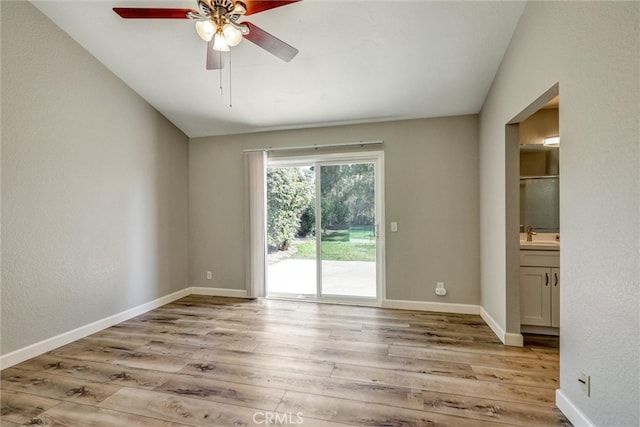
x: 291, y: 243
x: 347, y: 227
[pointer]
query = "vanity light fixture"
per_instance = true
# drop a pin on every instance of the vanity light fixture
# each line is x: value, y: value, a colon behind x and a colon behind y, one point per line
x: 554, y: 140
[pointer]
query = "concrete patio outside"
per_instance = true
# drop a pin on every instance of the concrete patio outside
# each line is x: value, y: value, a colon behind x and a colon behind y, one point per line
x: 298, y: 277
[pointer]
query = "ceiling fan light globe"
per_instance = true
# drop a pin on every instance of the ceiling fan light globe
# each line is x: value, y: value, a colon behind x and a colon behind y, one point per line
x: 205, y: 29
x: 219, y: 43
x: 232, y: 35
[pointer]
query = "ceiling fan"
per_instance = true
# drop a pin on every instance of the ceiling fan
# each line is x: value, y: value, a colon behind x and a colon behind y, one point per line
x: 217, y: 23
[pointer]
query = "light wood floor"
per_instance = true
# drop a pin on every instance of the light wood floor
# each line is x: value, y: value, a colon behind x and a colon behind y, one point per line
x: 207, y: 361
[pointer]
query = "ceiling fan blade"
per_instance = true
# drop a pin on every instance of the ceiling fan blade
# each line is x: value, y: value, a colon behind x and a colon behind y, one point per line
x: 215, y: 58
x: 146, y: 13
x: 256, y: 6
x: 270, y: 43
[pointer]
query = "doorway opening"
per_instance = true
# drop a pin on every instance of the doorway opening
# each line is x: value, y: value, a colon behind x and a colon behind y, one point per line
x: 323, y: 238
x: 532, y: 220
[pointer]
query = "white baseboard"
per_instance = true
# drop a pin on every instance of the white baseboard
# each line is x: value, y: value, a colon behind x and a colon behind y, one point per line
x: 495, y: 326
x: 219, y: 292
x: 441, y: 307
x: 33, y: 350
x: 571, y: 411
x: 507, y: 338
x: 514, y: 340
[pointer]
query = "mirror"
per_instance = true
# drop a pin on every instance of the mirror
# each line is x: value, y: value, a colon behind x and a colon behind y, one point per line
x: 540, y: 171
x: 540, y: 203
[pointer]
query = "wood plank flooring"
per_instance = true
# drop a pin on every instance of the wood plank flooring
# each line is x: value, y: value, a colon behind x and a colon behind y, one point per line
x: 209, y: 361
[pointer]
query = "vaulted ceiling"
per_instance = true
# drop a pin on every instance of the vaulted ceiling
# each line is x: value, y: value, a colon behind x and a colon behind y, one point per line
x: 359, y: 61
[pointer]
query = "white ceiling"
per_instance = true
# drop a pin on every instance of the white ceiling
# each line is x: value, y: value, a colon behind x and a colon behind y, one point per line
x: 359, y: 61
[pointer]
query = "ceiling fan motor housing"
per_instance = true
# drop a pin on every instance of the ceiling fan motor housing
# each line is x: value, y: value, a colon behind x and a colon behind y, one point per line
x: 227, y: 4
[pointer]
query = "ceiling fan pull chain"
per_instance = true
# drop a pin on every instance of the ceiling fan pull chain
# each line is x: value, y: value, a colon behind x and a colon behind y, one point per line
x: 230, y: 87
x: 220, y: 53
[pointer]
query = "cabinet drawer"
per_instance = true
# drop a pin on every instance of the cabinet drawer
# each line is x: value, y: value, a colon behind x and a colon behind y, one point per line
x: 540, y: 258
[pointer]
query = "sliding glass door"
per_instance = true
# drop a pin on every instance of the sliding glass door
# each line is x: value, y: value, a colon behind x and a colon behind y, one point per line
x: 322, y: 227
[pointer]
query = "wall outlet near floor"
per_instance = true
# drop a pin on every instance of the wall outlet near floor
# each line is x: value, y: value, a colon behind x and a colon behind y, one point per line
x: 585, y: 383
x: 440, y: 289
x: 209, y: 275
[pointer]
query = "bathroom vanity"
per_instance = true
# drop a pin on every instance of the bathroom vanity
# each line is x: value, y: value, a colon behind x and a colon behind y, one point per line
x: 540, y: 286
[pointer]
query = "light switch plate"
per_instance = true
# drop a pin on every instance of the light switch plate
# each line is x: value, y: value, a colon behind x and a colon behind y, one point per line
x: 394, y: 227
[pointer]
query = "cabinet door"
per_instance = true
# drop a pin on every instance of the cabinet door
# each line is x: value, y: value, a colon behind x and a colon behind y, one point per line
x: 555, y: 297
x: 535, y: 296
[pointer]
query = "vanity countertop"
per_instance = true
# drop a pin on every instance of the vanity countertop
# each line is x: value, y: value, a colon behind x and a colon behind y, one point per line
x: 540, y: 245
x: 541, y: 242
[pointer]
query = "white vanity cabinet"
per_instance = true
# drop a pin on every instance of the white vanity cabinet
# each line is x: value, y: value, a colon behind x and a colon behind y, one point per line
x: 540, y: 288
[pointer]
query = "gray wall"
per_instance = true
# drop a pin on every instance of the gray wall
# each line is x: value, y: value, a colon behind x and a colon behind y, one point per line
x: 431, y: 190
x: 591, y: 49
x: 94, y: 187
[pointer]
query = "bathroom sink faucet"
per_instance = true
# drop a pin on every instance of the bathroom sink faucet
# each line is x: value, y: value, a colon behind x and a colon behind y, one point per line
x: 530, y: 234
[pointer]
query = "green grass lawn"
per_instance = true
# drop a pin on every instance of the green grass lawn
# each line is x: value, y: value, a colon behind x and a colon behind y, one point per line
x: 362, y: 232
x: 338, y: 245
x: 336, y: 236
x: 337, y: 251
x: 335, y: 247
x: 357, y: 232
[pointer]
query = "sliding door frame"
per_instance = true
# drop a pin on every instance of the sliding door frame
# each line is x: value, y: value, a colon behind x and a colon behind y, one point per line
x: 318, y: 160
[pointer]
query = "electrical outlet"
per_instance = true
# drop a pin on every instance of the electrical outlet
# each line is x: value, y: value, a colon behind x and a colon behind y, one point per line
x: 440, y: 289
x: 585, y: 383
x: 209, y: 275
